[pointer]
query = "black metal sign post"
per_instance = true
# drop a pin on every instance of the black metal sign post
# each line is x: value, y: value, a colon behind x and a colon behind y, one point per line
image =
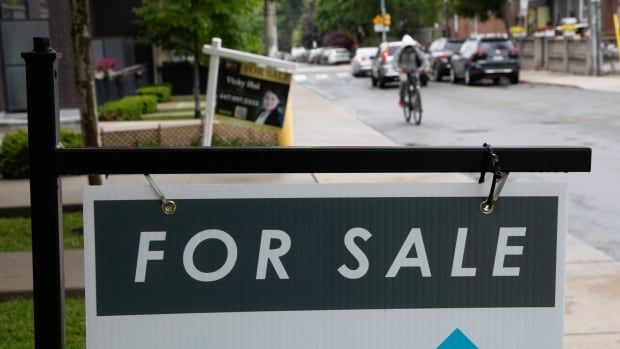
x: 48, y: 161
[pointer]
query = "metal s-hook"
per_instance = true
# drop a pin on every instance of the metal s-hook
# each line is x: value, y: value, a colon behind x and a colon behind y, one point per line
x: 167, y: 206
x: 488, y: 205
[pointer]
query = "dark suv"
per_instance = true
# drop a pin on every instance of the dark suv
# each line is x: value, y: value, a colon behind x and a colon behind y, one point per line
x: 441, y: 52
x: 490, y: 56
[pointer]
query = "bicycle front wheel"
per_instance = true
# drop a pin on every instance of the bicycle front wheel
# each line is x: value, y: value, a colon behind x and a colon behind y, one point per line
x: 408, y: 107
x: 416, y: 107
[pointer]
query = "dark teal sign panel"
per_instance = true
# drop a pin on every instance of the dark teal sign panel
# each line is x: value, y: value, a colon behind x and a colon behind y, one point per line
x: 317, y: 227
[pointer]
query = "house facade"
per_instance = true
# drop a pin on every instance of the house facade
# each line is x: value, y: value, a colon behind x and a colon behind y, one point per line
x: 113, y: 30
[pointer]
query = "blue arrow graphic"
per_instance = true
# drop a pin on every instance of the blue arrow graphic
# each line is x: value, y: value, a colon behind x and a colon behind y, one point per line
x: 457, y: 340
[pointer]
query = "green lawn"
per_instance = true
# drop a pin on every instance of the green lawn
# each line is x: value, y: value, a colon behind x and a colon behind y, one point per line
x: 17, y: 324
x: 15, y: 234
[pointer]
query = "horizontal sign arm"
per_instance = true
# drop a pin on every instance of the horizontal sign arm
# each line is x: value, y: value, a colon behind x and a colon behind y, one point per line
x: 249, y: 57
x: 317, y: 160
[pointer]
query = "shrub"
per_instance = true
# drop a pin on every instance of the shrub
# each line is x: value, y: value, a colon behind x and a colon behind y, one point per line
x: 14, y: 152
x: 125, y: 109
x: 149, y: 102
x: 14, y: 155
x: 162, y: 91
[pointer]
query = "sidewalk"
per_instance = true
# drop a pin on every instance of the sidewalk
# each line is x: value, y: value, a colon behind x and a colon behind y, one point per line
x: 593, y: 278
x: 607, y: 83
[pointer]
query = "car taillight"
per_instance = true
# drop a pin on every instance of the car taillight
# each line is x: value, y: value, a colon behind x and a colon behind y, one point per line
x: 384, y: 56
x: 514, y: 52
x: 480, y: 54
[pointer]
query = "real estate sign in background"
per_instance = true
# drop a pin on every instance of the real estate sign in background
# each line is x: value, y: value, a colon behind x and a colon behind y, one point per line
x: 325, y: 266
x: 252, y: 93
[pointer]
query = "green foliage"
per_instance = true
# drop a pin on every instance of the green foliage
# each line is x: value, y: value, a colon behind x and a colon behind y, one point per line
x: 17, y: 324
x: 356, y: 16
x: 184, y: 25
x: 14, y: 155
x: 126, y: 109
x: 14, y: 152
x: 15, y: 233
x: 149, y: 102
x: 480, y: 8
x: 289, y: 14
x: 162, y: 91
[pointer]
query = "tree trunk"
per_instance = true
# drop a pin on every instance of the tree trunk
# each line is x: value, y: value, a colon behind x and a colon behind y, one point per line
x: 84, y: 77
x: 196, y: 89
x: 271, y: 28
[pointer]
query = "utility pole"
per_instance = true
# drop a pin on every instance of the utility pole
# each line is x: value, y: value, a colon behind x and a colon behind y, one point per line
x: 446, y: 13
x: 384, y: 32
x: 595, y: 30
x: 271, y: 29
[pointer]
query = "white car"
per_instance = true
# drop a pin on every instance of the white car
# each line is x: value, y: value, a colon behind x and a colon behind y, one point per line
x: 361, y: 64
x: 337, y: 56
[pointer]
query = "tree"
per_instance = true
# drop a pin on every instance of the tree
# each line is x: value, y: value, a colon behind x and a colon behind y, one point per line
x: 84, y: 77
x: 356, y: 16
x: 271, y: 28
x: 183, y: 26
x: 309, y: 32
x: 482, y: 9
x: 340, y: 38
x: 289, y: 15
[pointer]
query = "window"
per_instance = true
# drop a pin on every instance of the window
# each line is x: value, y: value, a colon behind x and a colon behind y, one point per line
x: 14, y: 9
x: 490, y: 46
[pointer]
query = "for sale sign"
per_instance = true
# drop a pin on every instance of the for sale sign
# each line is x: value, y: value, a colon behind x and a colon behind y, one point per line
x: 325, y: 266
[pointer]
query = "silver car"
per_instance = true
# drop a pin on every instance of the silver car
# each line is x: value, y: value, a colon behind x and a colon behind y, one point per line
x: 383, y: 70
x: 361, y: 64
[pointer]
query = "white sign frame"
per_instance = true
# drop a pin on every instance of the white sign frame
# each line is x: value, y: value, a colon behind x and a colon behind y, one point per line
x: 507, y: 328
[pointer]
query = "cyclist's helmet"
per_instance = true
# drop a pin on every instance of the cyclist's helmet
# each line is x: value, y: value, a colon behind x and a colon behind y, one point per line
x: 407, y: 40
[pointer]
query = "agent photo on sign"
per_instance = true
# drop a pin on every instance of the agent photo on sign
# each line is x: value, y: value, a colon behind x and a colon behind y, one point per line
x: 271, y: 111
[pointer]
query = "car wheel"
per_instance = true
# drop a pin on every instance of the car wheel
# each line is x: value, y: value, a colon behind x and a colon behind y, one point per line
x: 453, y: 77
x: 381, y: 82
x: 514, y: 78
x: 437, y: 74
x: 468, y: 80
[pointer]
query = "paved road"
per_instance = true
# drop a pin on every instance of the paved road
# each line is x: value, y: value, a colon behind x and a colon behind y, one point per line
x: 506, y: 116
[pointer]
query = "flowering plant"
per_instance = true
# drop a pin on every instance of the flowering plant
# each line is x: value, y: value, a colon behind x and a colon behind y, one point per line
x: 104, y: 65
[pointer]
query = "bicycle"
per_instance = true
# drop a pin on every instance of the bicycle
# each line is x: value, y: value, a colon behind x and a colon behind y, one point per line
x: 413, y: 99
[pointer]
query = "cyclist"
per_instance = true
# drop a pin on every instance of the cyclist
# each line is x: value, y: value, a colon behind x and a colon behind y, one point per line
x: 409, y: 59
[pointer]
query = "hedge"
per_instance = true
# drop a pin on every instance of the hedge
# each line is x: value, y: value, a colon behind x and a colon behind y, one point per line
x: 162, y: 91
x: 14, y: 152
x: 128, y: 108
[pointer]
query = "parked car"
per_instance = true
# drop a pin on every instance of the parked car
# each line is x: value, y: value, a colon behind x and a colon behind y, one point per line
x: 488, y: 56
x: 362, y: 62
x: 315, y: 55
x: 382, y: 70
x: 322, y: 59
x: 299, y: 54
x: 337, y: 56
x: 441, y: 52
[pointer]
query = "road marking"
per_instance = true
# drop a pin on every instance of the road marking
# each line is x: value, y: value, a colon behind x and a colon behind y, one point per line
x: 342, y: 75
x: 321, y: 76
x: 300, y: 78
